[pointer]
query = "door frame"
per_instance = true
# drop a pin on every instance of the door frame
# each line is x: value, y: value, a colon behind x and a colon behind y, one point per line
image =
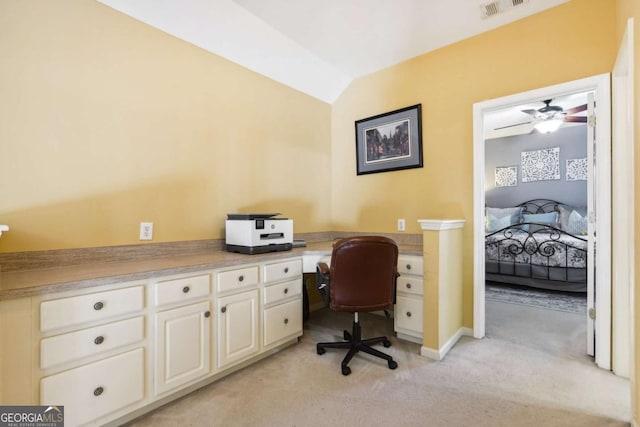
x: 601, y: 85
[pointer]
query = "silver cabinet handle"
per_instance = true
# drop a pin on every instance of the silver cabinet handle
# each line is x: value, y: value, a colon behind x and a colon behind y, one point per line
x: 408, y: 285
x: 408, y: 314
x: 98, y: 391
x: 207, y: 314
x: 223, y: 309
x: 241, y: 278
x: 286, y: 290
x: 99, y: 340
x: 408, y: 266
x: 186, y: 289
x: 286, y: 321
x: 98, y: 306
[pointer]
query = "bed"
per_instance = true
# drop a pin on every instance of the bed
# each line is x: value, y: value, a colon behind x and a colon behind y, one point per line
x: 539, y: 243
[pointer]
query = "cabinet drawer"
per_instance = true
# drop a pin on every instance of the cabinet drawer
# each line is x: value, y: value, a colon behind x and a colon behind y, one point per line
x: 90, y: 341
x: 237, y: 279
x: 94, y: 390
x: 91, y: 307
x: 409, y: 264
x: 410, y: 285
x: 282, y: 291
x: 177, y: 290
x: 282, y: 270
x: 282, y: 321
x: 408, y: 313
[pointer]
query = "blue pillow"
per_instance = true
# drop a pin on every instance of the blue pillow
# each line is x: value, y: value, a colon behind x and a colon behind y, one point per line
x: 495, y: 223
x: 549, y: 218
x: 577, y: 223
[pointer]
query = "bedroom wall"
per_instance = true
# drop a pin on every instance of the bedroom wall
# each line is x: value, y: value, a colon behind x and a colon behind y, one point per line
x: 107, y: 122
x: 506, y: 151
x: 447, y: 82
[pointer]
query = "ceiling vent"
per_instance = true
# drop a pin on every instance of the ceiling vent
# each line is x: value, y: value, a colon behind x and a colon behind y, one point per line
x: 498, y: 6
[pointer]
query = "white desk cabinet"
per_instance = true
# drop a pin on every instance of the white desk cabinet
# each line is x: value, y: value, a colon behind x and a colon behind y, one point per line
x: 408, y: 312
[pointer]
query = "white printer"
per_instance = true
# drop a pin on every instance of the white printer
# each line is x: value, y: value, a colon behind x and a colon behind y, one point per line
x: 258, y: 233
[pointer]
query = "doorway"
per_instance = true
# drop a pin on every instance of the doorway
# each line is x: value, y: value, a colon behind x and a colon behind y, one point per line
x: 600, y: 296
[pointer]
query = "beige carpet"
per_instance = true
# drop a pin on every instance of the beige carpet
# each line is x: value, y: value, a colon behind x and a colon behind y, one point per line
x: 496, y: 381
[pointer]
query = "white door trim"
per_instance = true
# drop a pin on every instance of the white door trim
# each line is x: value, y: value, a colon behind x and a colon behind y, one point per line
x: 601, y: 85
x: 623, y: 208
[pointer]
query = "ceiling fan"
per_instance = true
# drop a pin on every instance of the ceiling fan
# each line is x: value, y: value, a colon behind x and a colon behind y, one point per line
x: 552, y: 113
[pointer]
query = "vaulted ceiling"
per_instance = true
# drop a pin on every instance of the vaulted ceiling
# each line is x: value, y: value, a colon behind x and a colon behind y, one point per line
x: 320, y: 46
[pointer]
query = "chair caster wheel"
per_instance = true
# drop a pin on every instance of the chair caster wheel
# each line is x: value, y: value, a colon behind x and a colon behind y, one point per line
x: 346, y: 370
x: 386, y: 343
x: 392, y: 364
x: 320, y: 350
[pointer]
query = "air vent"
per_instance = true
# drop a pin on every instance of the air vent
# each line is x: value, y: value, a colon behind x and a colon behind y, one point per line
x: 498, y: 6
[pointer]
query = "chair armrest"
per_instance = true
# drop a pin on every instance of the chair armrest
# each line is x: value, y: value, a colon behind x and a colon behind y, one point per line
x: 323, y: 281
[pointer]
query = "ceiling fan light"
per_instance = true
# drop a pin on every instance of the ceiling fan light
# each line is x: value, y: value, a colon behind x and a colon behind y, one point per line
x: 548, y: 126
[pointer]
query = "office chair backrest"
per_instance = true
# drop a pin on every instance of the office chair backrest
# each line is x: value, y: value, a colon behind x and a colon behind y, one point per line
x: 363, y: 273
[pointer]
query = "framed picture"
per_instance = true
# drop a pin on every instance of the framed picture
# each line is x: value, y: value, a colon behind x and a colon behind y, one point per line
x: 389, y: 141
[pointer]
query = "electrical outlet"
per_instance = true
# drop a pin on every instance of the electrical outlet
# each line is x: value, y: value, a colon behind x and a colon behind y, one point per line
x: 401, y: 224
x: 146, y: 231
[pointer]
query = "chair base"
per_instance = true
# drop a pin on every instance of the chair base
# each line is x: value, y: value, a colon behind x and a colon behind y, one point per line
x: 355, y: 343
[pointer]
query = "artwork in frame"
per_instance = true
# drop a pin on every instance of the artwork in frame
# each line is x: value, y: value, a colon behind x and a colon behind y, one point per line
x: 389, y: 141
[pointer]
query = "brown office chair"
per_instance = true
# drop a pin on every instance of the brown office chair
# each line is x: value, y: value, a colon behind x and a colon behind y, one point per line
x: 362, y: 278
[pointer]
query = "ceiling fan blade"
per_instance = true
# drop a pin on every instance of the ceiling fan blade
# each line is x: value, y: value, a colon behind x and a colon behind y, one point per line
x: 510, y: 126
x: 577, y: 109
x: 576, y: 119
x: 531, y: 112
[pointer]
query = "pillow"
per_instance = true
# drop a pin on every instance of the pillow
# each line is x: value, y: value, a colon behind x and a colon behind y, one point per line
x: 577, y: 223
x: 564, y: 212
x: 514, y: 215
x: 549, y: 218
x: 497, y: 223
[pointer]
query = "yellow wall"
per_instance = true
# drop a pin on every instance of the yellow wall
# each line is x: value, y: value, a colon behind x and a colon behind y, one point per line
x: 631, y: 9
x: 107, y: 122
x: 569, y: 42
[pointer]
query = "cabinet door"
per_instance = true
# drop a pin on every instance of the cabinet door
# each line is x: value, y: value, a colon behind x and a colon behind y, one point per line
x: 237, y: 327
x: 182, y: 345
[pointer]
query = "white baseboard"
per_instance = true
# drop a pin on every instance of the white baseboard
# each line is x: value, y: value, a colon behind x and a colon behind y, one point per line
x: 442, y: 352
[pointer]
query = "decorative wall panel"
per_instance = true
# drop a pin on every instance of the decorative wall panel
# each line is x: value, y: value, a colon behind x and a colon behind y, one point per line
x: 576, y: 170
x: 506, y: 176
x: 541, y: 165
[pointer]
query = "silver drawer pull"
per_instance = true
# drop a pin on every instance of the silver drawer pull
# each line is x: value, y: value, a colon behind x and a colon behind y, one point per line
x: 98, y: 306
x: 241, y: 278
x: 408, y: 314
x: 99, y: 340
x: 408, y: 285
x: 286, y: 321
x: 286, y: 290
x: 408, y: 266
x: 223, y: 309
x: 186, y: 289
x: 286, y: 270
x: 207, y: 314
x: 98, y: 391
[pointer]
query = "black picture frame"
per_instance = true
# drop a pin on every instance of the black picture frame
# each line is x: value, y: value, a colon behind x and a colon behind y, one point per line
x: 390, y: 141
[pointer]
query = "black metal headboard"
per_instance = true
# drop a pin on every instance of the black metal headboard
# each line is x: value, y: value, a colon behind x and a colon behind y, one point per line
x: 537, y: 206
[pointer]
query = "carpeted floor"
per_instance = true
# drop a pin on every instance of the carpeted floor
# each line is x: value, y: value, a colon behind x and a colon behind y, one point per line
x: 570, y: 302
x: 502, y: 380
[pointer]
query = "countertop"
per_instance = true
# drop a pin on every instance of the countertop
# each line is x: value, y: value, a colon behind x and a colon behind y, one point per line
x: 25, y: 283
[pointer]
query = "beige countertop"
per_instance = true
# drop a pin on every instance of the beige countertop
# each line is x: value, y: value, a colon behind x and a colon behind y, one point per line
x: 25, y: 283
